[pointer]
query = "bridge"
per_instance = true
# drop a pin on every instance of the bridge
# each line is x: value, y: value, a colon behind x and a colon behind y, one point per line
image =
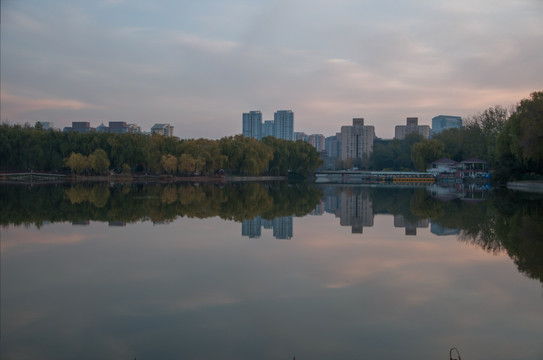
x: 373, y: 177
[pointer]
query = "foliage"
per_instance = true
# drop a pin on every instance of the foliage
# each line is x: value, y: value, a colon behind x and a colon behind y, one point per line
x: 521, y: 139
x: 29, y: 148
x: 426, y: 151
x: 394, y: 154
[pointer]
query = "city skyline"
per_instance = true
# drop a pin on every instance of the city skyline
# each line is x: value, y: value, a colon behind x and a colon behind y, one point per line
x: 194, y: 65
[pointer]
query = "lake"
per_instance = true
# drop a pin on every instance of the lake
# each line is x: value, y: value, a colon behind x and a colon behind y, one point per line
x: 270, y: 271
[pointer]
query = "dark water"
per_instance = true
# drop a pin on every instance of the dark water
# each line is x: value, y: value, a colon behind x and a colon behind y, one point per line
x: 269, y: 271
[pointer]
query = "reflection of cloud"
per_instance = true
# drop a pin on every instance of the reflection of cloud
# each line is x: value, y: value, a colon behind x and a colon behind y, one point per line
x: 15, y: 237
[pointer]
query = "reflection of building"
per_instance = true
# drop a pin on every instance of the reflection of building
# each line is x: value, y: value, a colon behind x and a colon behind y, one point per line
x: 251, y: 228
x: 319, y: 209
x: 357, y: 140
x: 410, y: 227
x: 81, y: 223
x: 353, y: 206
x: 412, y: 126
x: 282, y: 227
x: 356, y: 210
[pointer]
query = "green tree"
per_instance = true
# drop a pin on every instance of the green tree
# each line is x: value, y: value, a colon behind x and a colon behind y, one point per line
x: 99, y: 162
x: 77, y: 163
x: 424, y: 152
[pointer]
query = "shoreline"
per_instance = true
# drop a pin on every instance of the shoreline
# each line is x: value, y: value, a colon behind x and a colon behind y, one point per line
x: 526, y: 186
x: 43, y: 178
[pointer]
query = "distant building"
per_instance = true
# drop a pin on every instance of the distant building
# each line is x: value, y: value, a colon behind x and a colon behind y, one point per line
x: 162, y: 129
x: 267, y: 128
x: 357, y: 140
x: 317, y: 140
x: 283, y: 124
x: 80, y: 127
x: 118, y: 127
x: 136, y: 129
x: 445, y: 122
x: 46, y: 125
x: 252, y: 124
x: 412, y: 126
x: 102, y: 128
x: 332, y: 145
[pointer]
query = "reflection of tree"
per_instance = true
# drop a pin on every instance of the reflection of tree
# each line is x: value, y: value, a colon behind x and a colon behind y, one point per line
x: 519, y: 227
x: 156, y: 202
x: 507, y: 221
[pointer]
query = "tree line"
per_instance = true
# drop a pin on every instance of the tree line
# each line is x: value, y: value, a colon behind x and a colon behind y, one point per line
x: 31, y: 148
x: 509, y: 139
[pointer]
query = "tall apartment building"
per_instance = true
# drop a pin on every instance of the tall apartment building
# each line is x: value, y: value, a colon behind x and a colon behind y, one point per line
x: 357, y: 140
x: 267, y: 128
x: 283, y: 123
x: 412, y: 126
x: 252, y: 124
x: 445, y: 122
x: 162, y: 129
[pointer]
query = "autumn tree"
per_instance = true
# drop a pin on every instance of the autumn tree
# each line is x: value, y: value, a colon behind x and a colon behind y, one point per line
x: 169, y: 163
x: 99, y: 162
x: 77, y: 163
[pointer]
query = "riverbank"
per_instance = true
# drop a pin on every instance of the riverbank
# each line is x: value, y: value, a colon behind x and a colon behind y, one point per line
x: 39, y: 178
x: 528, y: 186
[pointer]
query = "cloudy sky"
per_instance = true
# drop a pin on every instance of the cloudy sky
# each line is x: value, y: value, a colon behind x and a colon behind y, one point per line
x: 200, y: 64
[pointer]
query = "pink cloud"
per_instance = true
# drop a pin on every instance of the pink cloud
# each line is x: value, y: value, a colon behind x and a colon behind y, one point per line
x: 14, y: 105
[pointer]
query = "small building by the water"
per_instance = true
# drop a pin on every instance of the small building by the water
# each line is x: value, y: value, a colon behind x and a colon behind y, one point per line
x: 443, y: 166
x: 474, y: 168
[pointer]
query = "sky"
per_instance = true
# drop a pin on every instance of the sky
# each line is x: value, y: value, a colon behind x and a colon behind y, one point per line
x: 199, y: 65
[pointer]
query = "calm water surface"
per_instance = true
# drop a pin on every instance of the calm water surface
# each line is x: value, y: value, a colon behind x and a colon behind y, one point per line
x: 269, y: 271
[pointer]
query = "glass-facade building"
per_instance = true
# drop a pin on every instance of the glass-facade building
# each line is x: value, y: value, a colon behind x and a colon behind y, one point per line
x: 445, y: 122
x: 252, y: 124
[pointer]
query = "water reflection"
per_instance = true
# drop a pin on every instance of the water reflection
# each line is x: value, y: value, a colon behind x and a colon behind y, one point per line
x: 494, y: 220
x: 353, y: 282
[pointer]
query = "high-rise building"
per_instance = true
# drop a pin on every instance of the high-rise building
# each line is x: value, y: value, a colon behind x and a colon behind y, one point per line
x: 283, y: 123
x: 357, y: 140
x: 267, y: 128
x: 412, y: 126
x: 162, y: 129
x: 252, y: 124
x: 445, y: 122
